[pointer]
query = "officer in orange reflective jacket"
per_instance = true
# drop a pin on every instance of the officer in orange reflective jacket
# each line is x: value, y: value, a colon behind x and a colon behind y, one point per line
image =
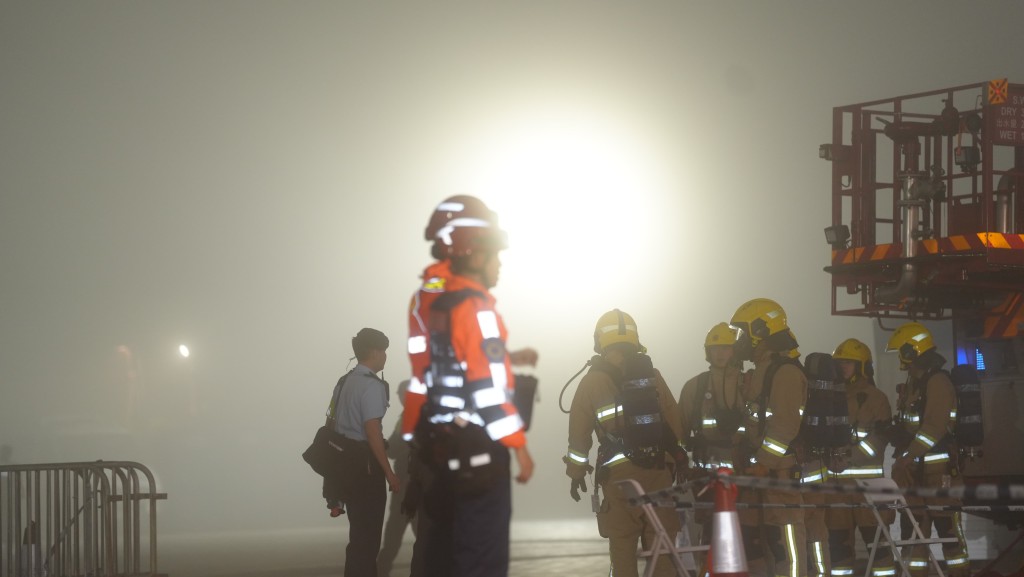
x: 456, y: 211
x: 601, y: 406
x: 466, y: 419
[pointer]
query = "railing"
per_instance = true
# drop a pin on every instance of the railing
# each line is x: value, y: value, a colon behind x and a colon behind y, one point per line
x: 70, y: 519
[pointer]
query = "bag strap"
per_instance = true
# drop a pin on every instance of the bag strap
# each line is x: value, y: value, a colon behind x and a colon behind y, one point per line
x: 766, y: 388
x: 703, y: 385
x: 333, y: 417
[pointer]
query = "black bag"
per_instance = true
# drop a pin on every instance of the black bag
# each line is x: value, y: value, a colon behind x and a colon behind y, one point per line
x: 525, y: 391
x: 463, y: 456
x: 326, y: 453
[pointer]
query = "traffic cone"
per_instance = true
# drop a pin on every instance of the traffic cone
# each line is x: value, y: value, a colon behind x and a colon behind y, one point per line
x: 31, y: 561
x: 726, y: 554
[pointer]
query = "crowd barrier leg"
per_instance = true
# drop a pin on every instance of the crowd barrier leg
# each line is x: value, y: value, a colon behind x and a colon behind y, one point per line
x: 663, y: 544
x: 876, y: 500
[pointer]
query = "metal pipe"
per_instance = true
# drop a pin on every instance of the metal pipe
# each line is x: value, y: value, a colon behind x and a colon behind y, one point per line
x: 904, y: 287
x: 1005, y: 209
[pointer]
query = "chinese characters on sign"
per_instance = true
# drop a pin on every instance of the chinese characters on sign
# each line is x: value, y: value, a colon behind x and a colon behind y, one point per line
x: 1005, y: 121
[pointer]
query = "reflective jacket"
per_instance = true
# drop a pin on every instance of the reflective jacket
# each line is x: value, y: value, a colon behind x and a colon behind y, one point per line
x: 703, y: 400
x: 927, y: 410
x: 478, y: 338
x: 783, y: 412
x: 595, y: 410
x: 870, y: 412
x: 435, y: 280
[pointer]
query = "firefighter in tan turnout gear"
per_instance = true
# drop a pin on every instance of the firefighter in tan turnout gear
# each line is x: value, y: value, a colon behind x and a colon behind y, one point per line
x: 869, y: 415
x: 712, y: 411
x: 627, y: 403
x: 924, y: 445
x: 776, y: 397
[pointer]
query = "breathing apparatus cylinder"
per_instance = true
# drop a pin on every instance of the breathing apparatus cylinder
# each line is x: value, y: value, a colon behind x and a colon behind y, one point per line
x: 826, y: 424
x: 641, y: 411
x: 969, y: 428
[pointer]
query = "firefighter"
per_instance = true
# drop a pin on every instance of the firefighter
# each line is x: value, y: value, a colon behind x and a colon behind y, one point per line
x: 924, y: 450
x: 466, y: 421
x: 869, y: 416
x: 712, y: 411
x: 777, y: 393
x: 626, y: 402
x: 813, y: 457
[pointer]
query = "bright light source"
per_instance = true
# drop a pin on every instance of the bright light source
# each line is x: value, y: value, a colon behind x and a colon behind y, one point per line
x: 581, y: 199
x: 183, y: 351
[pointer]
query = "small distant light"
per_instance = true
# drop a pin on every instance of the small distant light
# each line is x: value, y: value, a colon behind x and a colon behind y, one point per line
x: 183, y: 351
x: 979, y: 363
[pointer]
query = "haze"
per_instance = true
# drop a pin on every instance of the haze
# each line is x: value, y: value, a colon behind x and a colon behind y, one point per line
x: 252, y: 180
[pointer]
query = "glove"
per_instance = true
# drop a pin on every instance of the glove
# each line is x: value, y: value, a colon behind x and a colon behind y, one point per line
x: 411, y: 502
x: 576, y: 486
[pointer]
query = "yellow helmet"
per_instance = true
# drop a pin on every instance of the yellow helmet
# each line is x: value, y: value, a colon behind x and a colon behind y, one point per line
x: 759, y: 318
x: 858, y: 352
x: 614, y: 327
x: 910, y: 341
x: 793, y: 353
x: 720, y: 334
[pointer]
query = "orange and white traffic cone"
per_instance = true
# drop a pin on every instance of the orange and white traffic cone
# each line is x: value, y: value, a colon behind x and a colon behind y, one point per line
x: 726, y: 554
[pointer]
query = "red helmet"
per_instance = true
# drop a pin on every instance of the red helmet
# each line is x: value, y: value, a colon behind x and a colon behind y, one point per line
x: 461, y: 223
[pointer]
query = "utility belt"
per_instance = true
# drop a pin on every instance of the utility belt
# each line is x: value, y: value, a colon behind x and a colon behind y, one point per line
x: 611, y: 452
x: 461, y: 453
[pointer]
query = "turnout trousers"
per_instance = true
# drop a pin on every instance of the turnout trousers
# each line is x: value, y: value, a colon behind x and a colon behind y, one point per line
x: 623, y: 525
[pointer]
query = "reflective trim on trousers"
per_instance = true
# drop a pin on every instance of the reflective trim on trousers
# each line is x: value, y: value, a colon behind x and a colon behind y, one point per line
x: 819, y: 558
x: 794, y: 562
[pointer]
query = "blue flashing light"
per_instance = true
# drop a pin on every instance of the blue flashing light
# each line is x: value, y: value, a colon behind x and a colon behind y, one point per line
x: 979, y: 362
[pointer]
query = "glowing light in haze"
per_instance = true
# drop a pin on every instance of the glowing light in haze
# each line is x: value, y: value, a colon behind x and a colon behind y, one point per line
x: 183, y: 351
x: 579, y: 199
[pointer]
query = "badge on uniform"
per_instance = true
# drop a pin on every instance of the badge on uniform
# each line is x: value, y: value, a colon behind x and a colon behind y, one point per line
x: 494, y: 350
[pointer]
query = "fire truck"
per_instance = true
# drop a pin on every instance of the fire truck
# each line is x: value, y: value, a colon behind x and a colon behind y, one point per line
x: 928, y: 225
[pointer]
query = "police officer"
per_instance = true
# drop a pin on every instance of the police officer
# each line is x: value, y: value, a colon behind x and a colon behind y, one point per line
x: 619, y: 393
x: 467, y: 421
x: 362, y: 403
x: 777, y: 394
x: 926, y: 413
x: 869, y: 417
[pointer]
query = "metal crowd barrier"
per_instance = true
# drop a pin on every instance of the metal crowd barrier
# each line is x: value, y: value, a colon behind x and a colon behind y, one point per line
x: 981, y: 492
x: 71, y: 519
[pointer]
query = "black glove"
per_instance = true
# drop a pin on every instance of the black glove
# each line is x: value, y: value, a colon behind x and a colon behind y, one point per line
x: 574, y: 488
x: 411, y: 502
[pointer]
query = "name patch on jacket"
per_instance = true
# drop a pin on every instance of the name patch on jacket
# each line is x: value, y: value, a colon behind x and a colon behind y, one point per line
x: 434, y: 285
x: 494, y: 350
